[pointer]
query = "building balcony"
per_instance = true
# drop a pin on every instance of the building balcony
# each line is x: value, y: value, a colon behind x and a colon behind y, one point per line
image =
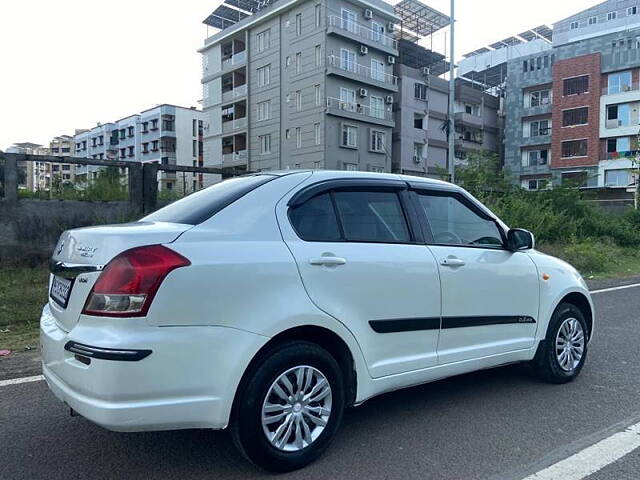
x: 234, y: 159
x: 360, y: 33
x: 237, y: 92
x: 620, y: 89
x: 472, y: 143
x: 234, y: 60
x: 235, y: 124
x: 468, y: 119
x: 361, y: 73
x: 357, y: 111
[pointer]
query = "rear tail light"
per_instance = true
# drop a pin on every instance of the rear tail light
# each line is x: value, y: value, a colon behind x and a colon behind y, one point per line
x: 128, y: 283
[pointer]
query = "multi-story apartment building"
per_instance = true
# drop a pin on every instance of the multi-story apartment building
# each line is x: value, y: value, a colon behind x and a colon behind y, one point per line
x: 33, y: 176
x: 573, y: 111
x: 301, y: 84
x: 420, y: 145
x: 61, y: 173
x: 165, y: 134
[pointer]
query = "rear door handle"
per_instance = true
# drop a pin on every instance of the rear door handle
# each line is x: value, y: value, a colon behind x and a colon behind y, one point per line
x: 452, y: 262
x: 328, y: 261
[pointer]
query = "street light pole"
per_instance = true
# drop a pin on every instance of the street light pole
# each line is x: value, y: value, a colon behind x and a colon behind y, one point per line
x: 452, y: 93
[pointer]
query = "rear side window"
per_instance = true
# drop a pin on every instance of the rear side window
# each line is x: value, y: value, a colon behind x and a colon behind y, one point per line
x: 199, y: 206
x: 315, y: 220
x: 356, y: 216
x: 372, y: 217
x: 454, y: 223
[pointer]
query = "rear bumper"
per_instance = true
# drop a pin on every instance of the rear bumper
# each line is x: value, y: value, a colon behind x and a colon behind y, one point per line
x: 187, y: 381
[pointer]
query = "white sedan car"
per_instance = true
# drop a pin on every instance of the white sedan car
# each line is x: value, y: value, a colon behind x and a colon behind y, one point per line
x: 268, y: 303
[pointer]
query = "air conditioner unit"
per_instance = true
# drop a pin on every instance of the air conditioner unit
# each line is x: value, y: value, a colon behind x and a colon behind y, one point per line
x: 362, y: 92
x: 426, y: 70
x: 364, y: 49
x: 389, y: 99
x: 391, y: 59
x: 368, y: 14
x: 417, y: 159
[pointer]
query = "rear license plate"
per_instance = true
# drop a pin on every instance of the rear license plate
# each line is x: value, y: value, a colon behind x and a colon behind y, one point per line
x: 60, y: 289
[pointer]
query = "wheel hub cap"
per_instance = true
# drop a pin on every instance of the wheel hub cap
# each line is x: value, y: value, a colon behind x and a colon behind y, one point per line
x: 296, y: 408
x: 570, y: 344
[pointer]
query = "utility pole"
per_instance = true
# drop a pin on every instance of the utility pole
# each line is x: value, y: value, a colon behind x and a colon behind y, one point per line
x: 452, y: 93
x: 636, y: 173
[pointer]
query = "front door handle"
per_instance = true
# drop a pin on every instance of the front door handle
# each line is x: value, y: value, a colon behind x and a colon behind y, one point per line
x: 452, y: 262
x: 328, y: 261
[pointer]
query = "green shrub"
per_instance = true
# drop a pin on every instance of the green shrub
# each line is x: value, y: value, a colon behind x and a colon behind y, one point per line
x: 589, y: 256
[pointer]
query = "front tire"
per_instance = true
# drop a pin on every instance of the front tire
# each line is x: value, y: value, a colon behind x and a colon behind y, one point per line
x: 289, y: 407
x: 564, y: 351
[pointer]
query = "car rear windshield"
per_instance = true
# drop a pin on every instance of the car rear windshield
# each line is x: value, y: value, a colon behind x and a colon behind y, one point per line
x: 199, y: 206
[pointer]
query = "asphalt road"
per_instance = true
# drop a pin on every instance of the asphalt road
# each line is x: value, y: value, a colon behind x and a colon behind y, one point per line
x: 497, y: 424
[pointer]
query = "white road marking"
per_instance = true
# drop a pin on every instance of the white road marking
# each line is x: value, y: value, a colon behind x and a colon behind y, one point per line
x: 593, y: 458
x: 613, y: 289
x: 16, y: 381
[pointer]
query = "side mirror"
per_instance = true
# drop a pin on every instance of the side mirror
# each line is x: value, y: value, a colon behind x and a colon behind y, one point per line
x: 519, y: 239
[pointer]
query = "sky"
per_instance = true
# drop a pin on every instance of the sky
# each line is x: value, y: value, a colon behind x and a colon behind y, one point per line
x: 67, y: 64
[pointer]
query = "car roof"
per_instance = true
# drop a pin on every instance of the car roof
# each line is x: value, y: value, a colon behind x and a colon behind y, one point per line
x: 337, y: 174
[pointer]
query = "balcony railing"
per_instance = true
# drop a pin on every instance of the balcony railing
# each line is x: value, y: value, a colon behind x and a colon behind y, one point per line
x: 362, y: 70
x: 239, y: 91
x: 615, y: 89
x: 383, y: 113
x: 235, y: 59
x: 362, y: 31
x: 631, y: 154
x: 235, y: 124
x: 616, y: 123
x: 234, y: 157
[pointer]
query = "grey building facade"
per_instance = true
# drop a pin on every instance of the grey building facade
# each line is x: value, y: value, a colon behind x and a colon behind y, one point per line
x: 302, y: 84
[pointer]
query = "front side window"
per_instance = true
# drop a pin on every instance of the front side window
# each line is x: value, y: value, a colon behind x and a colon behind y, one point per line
x: 264, y: 40
x: 264, y: 74
x: 377, y: 107
x: 540, y: 97
x: 377, y: 141
x: 349, y: 137
x: 576, y: 85
x: 377, y: 70
x: 454, y: 223
x: 574, y: 148
x: 265, y: 144
x: 619, y: 82
x: 348, y: 20
x: 420, y: 91
x: 347, y: 60
x: 575, y: 116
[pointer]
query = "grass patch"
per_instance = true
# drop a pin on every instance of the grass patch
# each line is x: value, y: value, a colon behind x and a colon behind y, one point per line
x: 23, y: 293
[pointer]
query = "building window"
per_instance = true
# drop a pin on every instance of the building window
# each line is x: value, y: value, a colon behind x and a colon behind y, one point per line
x: 377, y: 107
x: 418, y: 152
x: 145, y: 147
x: 420, y: 91
x: 167, y: 125
x: 299, y: 62
x: 194, y: 148
x: 264, y: 110
x: 347, y: 60
x: 145, y: 127
x: 576, y: 85
x: 264, y: 76
x: 574, y: 148
x: 123, y: 134
x: 574, y: 25
x: 298, y: 96
x: 131, y: 154
x: 539, y: 97
x: 123, y: 152
x: 101, y: 140
x: 194, y: 128
x: 535, y: 184
x: 377, y: 70
x: 154, y: 146
x: 316, y: 134
x: 575, y: 179
x: 348, y: 20
x: 350, y: 167
x: 575, y: 116
x: 298, y: 137
x: 377, y: 30
x: 299, y: 24
x: 618, y: 115
x: 418, y: 121
x: 472, y: 109
x: 318, y: 54
x: 377, y: 141
x: 612, y: 15
x: 154, y: 124
x: 318, y: 96
x: 632, y: 11
x: 532, y: 158
x: 615, y: 146
x: 264, y: 40
x: 349, y: 137
x: 593, y: 20
x: 318, y: 15
x: 619, y: 82
x: 130, y: 131
x: 617, y: 178
x: 539, y: 128
x: 265, y: 144
x: 316, y: 165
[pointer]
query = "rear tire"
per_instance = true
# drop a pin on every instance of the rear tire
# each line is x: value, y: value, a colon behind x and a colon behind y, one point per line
x: 562, y: 355
x: 289, y: 407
